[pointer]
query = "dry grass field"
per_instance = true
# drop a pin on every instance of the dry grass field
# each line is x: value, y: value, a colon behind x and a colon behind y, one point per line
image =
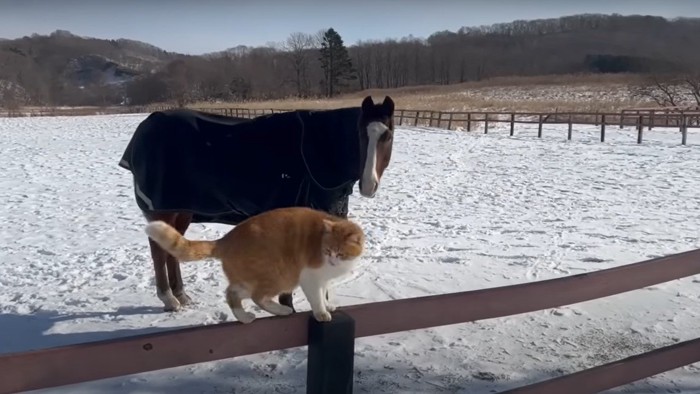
x: 585, y: 93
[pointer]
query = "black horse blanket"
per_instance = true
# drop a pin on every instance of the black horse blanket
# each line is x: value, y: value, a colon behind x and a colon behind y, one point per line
x: 225, y: 169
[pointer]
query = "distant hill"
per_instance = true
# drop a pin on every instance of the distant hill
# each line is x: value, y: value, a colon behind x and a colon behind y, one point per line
x: 66, y: 69
x: 45, y: 65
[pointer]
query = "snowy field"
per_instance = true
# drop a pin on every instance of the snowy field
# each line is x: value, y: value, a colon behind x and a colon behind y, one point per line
x: 456, y: 211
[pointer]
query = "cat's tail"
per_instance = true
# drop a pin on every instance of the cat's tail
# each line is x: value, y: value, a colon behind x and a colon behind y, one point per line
x: 174, y: 243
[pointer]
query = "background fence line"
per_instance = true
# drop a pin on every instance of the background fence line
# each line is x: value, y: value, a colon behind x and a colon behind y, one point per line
x: 675, y: 117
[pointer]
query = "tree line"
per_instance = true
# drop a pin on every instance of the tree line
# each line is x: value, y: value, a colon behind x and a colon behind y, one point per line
x: 321, y: 65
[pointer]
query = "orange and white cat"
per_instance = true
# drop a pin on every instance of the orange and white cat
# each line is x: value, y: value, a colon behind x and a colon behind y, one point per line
x: 273, y: 253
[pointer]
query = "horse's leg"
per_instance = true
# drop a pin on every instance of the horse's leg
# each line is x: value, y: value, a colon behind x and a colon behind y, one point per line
x: 182, y: 222
x: 160, y: 257
x: 287, y: 300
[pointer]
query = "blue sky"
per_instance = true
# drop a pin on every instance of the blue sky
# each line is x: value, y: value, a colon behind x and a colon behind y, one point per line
x: 200, y: 26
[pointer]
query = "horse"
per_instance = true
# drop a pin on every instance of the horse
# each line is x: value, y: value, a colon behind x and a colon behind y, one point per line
x: 189, y: 166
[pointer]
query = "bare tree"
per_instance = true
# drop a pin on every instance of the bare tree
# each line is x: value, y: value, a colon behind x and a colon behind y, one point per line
x: 177, y: 81
x: 298, y: 47
x: 664, y: 91
x: 692, y: 83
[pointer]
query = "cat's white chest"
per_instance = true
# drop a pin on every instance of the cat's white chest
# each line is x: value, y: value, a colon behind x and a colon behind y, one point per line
x: 334, y: 267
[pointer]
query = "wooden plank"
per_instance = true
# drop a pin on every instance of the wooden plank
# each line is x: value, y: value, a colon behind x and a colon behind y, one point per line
x: 438, y: 310
x: 618, y: 373
x: 85, y: 362
x: 124, y: 356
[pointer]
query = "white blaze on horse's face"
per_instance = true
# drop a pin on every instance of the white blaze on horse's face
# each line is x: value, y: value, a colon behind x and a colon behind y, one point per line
x: 370, y: 179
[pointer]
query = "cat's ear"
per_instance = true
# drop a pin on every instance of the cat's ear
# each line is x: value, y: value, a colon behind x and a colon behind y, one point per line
x: 327, y: 225
x: 355, y: 238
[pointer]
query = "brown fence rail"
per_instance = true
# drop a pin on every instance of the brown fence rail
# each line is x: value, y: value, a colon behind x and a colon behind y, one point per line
x: 123, y: 356
x: 681, y: 118
x: 471, y: 121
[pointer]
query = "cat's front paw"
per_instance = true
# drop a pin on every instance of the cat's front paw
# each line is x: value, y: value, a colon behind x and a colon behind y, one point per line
x: 322, y: 316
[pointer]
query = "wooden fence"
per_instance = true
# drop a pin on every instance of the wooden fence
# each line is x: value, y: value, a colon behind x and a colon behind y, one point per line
x: 683, y: 119
x: 330, y: 345
x: 471, y: 121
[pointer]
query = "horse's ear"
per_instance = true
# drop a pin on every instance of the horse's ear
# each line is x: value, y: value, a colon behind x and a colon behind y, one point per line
x: 388, y: 105
x: 367, y: 104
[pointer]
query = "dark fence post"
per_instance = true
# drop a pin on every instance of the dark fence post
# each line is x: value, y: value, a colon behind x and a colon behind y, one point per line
x: 568, y: 135
x: 684, y: 130
x: 640, y: 127
x: 512, y: 124
x: 331, y: 355
x: 602, y: 128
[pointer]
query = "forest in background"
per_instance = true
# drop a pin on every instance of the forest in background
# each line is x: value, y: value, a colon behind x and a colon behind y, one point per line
x: 63, y: 69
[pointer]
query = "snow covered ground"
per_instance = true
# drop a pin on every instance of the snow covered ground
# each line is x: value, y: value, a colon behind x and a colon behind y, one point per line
x: 456, y: 211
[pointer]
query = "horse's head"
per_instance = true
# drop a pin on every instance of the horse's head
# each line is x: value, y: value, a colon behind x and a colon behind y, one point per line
x: 376, y: 139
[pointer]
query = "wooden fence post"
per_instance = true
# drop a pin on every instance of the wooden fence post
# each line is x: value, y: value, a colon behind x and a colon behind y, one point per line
x: 539, y: 128
x: 684, y: 129
x: 331, y: 353
x: 512, y: 124
x: 486, y: 123
x: 602, y: 128
x: 449, y: 122
x: 640, y: 128
x: 568, y: 136
x: 622, y: 118
x: 401, y: 118
x: 469, y: 121
x: 415, y: 122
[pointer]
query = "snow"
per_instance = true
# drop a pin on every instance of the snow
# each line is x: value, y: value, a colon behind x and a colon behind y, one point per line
x: 456, y: 211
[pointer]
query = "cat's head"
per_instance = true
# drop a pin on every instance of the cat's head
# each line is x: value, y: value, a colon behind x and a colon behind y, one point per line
x: 342, y: 239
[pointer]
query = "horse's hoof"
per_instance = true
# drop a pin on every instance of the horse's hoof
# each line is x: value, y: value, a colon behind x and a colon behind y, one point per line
x: 170, y: 303
x: 184, y: 299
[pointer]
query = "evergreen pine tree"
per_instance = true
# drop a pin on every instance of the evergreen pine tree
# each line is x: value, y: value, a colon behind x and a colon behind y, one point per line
x: 335, y: 62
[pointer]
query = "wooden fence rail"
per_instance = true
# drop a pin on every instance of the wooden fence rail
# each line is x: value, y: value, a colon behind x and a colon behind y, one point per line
x: 470, y: 121
x: 682, y: 118
x: 97, y: 360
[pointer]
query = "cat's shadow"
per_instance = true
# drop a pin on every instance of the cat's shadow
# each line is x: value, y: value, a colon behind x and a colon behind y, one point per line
x: 35, y: 331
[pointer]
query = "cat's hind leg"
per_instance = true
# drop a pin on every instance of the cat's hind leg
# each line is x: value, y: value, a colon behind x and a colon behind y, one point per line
x: 234, y: 301
x: 267, y: 304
